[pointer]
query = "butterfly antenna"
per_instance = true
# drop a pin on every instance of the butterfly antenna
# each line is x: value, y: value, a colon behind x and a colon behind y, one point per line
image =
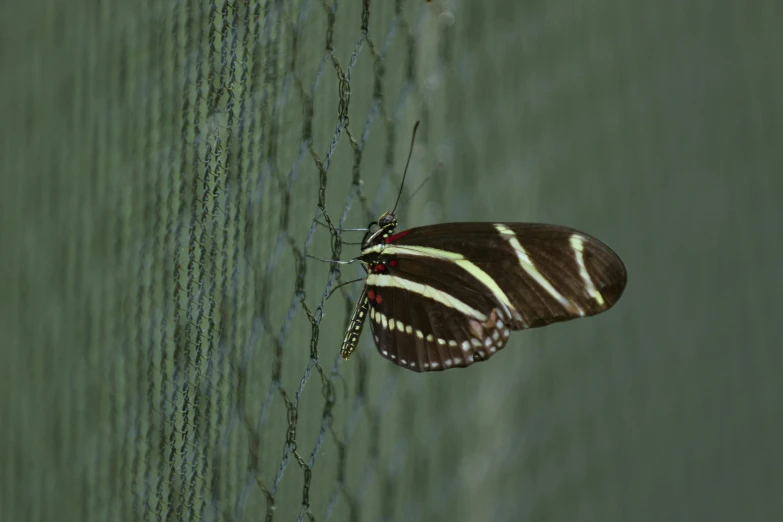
x: 421, y: 186
x: 405, y: 172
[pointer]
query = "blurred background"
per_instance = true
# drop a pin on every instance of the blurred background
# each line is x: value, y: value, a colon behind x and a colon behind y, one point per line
x: 167, y: 352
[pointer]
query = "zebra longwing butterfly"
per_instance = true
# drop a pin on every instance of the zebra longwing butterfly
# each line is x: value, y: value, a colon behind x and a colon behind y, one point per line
x: 448, y: 295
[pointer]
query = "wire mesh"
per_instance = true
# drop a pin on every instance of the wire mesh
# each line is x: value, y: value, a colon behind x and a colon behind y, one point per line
x: 168, y: 350
x: 195, y: 385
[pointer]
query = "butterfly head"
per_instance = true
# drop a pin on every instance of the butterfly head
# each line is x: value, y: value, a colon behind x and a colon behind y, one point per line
x: 386, y: 225
x: 387, y: 221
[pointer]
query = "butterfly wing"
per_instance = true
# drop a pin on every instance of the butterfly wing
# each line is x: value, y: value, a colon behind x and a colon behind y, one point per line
x: 422, y: 327
x: 447, y: 295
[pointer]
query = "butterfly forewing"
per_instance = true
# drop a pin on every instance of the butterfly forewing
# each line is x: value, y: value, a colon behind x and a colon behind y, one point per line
x: 445, y: 295
x: 546, y: 273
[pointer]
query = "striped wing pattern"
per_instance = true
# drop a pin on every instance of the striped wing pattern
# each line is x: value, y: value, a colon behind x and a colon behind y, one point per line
x: 423, y: 334
x: 445, y: 296
x: 549, y: 273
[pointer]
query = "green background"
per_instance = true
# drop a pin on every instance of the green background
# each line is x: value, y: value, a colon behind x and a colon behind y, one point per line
x: 162, y: 165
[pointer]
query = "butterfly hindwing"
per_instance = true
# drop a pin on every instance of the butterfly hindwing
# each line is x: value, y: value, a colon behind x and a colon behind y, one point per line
x: 423, y: 334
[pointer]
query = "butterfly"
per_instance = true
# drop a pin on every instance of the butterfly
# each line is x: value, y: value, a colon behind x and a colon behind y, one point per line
x: 448, y: 295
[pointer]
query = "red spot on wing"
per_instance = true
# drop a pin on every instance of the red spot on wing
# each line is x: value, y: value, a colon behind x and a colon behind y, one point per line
x: 379, y: 268
x: 378, y: 298
x: 393, y: 262
x: 371, y: 294
x: 395, y: 237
